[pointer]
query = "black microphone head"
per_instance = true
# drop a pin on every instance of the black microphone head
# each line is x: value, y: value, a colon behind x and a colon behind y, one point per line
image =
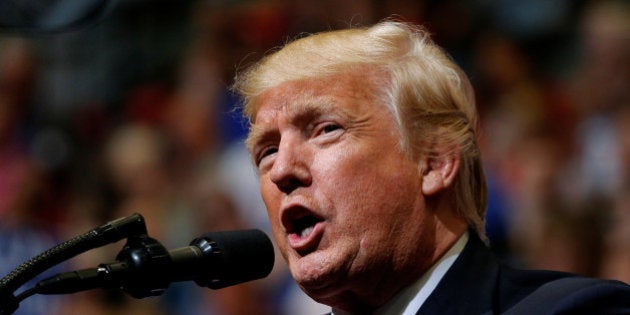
x: 234, y: 257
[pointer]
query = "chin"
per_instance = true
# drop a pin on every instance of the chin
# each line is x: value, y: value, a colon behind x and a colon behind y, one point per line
x: 314, y: 273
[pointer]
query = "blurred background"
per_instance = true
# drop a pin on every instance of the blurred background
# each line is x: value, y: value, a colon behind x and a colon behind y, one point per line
x: 134, y: 114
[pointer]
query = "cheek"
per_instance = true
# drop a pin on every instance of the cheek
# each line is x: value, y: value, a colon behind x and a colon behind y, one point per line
x: 374, y: 195
x: 368, y: 180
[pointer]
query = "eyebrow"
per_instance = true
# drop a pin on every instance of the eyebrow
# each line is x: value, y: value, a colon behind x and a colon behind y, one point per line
x: 257, y: 134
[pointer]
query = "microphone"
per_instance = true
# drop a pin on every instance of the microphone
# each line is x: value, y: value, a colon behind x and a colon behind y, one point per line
x: 144, y: 268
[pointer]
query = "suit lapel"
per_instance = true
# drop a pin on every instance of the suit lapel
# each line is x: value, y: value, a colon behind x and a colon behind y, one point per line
x: 469, y: 285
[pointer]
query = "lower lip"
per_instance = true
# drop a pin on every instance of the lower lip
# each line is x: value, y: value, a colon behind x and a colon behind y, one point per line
x: 306, y: 244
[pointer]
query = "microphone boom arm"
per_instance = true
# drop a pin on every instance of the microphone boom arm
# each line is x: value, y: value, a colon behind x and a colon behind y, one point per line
x: 145, y: 268
x: 108, y: 233
x: 134, y: 272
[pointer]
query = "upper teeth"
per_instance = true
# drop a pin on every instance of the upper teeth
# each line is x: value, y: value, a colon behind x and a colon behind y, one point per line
x: 306, y: 231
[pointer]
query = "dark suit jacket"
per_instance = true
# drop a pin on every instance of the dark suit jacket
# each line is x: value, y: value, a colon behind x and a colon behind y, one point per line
x: 477, y: 283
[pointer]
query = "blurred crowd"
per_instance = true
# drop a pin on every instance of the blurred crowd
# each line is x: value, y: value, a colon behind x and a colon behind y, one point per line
x: 135, y: 114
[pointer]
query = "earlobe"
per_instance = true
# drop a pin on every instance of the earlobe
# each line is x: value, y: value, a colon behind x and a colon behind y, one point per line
x: 439, y: 174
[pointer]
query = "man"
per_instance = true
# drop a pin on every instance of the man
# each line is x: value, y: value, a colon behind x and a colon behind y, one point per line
x: 365, y: 144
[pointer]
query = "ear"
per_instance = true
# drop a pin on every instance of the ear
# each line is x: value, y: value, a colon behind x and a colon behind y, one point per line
x: 439, y: 173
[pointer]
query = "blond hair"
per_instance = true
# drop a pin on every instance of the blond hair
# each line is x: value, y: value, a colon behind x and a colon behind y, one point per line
x: 429, y: 95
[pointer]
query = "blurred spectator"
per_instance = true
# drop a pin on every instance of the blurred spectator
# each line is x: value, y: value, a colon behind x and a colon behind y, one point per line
x: 599, y: 90
x: 134, y: 115
x: 27, y: 200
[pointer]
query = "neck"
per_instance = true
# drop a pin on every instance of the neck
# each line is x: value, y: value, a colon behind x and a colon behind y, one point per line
x: 437, y: 238
x: 411, y: 298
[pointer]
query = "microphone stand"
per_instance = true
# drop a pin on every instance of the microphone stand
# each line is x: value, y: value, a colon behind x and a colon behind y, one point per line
x: 144, y: 267
x: 132, y: 226
x: 145, y: 256
x: 133, y: 272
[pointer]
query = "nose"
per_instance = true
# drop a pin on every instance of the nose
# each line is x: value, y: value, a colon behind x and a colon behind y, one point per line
x: 290, y: 168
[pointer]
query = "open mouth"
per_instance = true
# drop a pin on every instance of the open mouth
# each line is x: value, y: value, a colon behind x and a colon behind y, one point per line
x: 303, y: 229
x: 304, y: 226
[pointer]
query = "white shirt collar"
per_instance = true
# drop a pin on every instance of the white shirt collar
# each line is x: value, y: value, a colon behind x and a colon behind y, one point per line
x: 410, y: 299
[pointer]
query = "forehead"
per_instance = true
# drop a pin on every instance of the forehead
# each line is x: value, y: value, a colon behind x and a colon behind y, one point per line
x: 343, y: 92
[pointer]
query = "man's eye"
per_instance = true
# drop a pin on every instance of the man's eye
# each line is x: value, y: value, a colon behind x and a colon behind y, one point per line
x: 265, y: 153
x: 330, y: 128
x: 327, y: 131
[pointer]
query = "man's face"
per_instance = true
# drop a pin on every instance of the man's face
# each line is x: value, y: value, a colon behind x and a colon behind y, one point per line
x: 345, y: 202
